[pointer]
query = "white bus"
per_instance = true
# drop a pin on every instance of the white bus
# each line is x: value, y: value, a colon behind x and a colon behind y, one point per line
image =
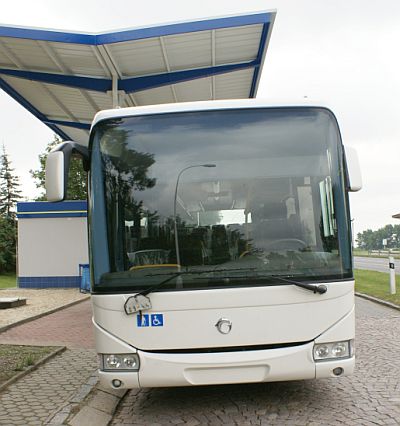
x: 220, y: 243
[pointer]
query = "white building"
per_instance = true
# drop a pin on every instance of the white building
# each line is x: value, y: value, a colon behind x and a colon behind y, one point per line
x: 52, y: 243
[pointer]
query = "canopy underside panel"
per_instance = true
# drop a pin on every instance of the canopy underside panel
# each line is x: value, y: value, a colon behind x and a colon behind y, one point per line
x: 64, y: 79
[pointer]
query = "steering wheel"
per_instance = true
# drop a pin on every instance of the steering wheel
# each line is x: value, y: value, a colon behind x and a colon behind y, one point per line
x: 290, y: 241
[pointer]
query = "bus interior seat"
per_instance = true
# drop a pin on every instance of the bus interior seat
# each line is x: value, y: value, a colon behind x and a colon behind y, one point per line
x: 219, y: 245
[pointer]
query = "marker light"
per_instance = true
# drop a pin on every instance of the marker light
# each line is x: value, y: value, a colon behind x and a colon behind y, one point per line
x: 334, y: 350
x: 120, y: 362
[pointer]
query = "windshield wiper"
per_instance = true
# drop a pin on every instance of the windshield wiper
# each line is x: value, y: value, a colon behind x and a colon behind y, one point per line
x: 140, y: 302
x: 161, y: 283
x: 200, y: 271
x: 321, y: 289
x: 180, y: 273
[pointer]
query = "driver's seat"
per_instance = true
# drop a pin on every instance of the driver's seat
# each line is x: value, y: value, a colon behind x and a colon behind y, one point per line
x: 272, y: 225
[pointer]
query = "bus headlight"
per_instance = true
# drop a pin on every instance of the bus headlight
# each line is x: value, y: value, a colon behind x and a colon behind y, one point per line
x: 120, y: 362
x: 334, y: 350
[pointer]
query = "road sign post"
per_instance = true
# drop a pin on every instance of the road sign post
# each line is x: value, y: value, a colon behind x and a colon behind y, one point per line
x: 392, y: 275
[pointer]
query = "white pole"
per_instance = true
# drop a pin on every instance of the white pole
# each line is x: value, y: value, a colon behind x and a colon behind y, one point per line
x: 115, y: 91
x: 392, y: 275
x: 178, y: 257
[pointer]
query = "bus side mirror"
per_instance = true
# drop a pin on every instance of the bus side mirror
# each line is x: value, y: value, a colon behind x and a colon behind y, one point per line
x: 55, y: 176
x: 354, y: 180
x: 57, y: 167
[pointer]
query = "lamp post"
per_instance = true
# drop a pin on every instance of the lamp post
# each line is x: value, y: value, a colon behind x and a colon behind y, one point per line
x: 178, y: 258
x: 352, y: 233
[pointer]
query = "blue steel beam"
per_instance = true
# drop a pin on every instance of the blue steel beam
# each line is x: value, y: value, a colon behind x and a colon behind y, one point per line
x: 128, y: 84
x: 28, y: 106
x: 135, y: 34
x: 263, y: 41
x: 87, y: 83
x: 152, y: 81
x: 185, y: 27
x: 76, y: 125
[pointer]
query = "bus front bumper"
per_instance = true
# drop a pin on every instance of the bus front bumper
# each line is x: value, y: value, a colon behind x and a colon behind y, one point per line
x: 175, y: 369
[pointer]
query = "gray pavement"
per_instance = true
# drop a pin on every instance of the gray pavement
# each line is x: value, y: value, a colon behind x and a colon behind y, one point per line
x: 33, y: 398
x: 370, y: 397
x: 375, y: 264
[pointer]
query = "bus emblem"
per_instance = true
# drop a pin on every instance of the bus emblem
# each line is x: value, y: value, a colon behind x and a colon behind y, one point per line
x: 224, y: 326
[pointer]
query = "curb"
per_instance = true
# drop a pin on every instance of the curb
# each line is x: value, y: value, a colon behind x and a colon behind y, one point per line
x: 91, y: 405
x: 35, y: 317
x: 99, y: 408
x: 380, y: 301
x: 72, y: 405
x: 32, y: 368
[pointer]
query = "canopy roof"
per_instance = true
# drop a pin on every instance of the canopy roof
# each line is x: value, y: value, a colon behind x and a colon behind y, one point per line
x: 64, y: 78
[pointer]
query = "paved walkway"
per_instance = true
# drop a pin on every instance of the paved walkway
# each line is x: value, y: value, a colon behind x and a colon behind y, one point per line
x: 71, y: 327
x: 32, y: 399
x: 370, y: 397
x: 38, y: 301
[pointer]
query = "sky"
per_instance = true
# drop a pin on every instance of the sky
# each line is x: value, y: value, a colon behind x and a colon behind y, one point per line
x: 342, y: 53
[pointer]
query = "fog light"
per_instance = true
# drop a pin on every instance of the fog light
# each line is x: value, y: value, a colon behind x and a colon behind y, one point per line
x: 337, y: 371
x: 116, y: 383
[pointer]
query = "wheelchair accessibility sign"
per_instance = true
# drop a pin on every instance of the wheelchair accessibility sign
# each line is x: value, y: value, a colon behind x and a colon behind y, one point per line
x: 152, y: 320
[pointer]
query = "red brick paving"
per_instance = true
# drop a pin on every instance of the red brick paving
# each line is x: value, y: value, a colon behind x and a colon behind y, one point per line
x: 71, y: 327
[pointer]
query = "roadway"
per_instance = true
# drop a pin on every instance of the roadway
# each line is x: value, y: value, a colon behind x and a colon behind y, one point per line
x: 370, y: 397
x: 374, y: 264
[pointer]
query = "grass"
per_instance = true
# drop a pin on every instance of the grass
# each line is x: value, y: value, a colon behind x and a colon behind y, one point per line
x: 17, y: 358
x: 8, y: 280
x: 359, y: 252
x: 376, y: 284
x: 26, y: 361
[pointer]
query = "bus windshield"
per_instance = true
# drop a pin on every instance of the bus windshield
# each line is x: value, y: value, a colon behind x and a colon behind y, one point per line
x: 219, y: 198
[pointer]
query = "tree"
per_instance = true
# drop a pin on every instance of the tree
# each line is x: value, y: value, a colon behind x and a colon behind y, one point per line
x: 9, y: 187
x: 9, y: 196
x: 77, y: 177
x: 8, y: 242
x: 373, y: 240
x: 124, y: 174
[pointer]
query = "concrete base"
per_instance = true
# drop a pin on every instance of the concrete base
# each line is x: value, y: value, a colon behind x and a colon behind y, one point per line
x: 11, y: 302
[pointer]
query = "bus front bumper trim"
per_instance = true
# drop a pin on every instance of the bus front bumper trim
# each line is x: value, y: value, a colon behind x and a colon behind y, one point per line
x: 283, y: 364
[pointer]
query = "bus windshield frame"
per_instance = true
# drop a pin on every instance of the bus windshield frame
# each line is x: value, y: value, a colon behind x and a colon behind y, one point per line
x: 218, y: 199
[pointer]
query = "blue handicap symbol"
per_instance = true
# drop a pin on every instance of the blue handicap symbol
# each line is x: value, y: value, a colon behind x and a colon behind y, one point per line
x: 143, y: 320
x: 157, y: 320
